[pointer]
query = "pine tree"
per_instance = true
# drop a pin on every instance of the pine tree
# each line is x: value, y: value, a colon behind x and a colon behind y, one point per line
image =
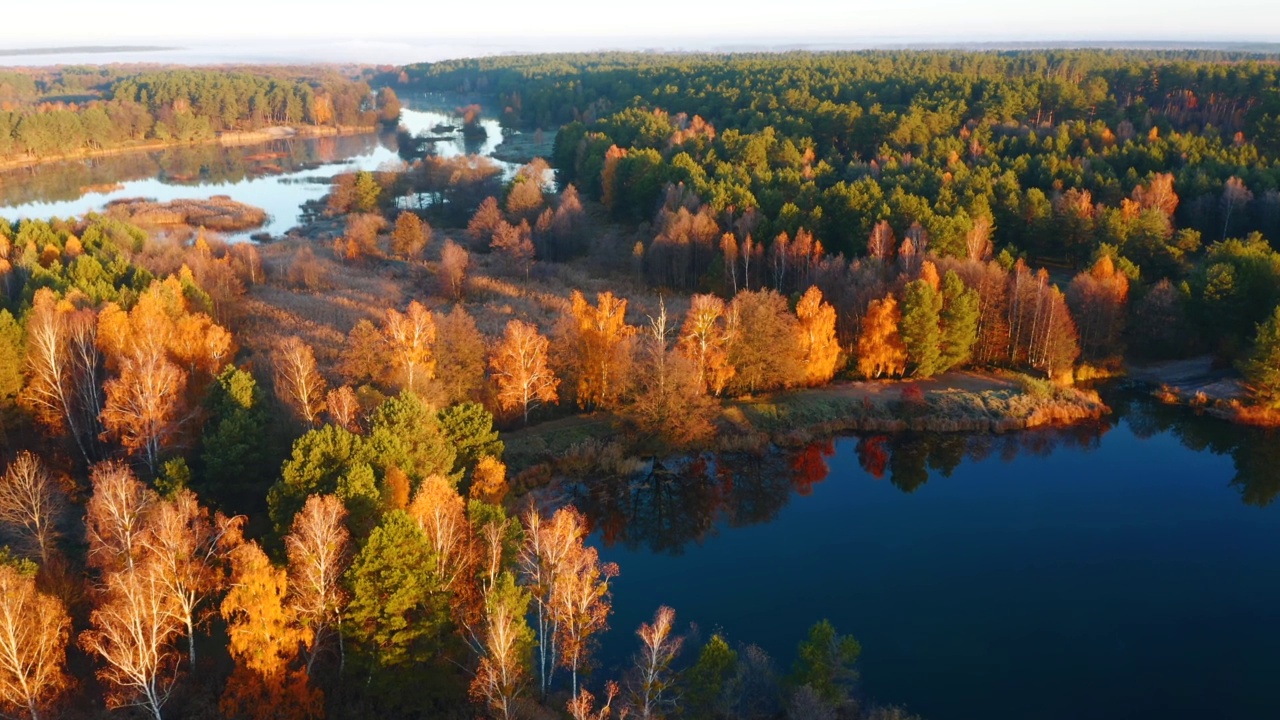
x: 959, y: 319
x: 921, y: 312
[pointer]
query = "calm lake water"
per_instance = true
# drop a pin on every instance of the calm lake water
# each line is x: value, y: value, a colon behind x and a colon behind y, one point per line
x: 279, y: 177
x: 1121, y: 571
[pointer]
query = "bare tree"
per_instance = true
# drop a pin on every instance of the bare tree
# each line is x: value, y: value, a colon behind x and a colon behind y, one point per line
x: 31, y: 504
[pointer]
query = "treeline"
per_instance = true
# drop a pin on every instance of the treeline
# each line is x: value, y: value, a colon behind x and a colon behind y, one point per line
x: 182, y: 106
x: 1046, y: 146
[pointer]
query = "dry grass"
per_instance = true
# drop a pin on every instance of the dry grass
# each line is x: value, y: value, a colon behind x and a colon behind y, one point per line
x: 218, y: 213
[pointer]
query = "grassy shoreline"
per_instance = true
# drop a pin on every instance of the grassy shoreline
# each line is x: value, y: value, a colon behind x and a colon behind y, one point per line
x: 954, y: 403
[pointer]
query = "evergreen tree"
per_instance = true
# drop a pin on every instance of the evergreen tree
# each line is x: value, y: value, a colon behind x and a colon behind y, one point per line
x: 921, y: 313
x: 1262, y: 369
x: 959, y: 319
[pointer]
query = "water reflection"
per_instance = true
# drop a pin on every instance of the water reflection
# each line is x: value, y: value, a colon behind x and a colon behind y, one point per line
x: 281, y: 176
x: 673, y: 503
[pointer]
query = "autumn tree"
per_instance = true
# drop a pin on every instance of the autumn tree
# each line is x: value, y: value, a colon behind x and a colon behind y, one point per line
x: 519, y: 368
x: 61, y: 391
x: 366, y: 192
x: 920, y: 329
x: 409, y: 336
x: 343, y: 408
x: 440, y: 513
x: 880, y: 347
x: 763, y: 347
x: 506, y: 641
x: 410, y: 236
x: 514, y: 243
x: 187, y: 550
x: 364, y: 354
x: 318, y: 547
x: 484, y: 222
x: 600, y: 349
x: 133, y: 632
x: 667, y: 400
x: 580, y: 604
x: 460, y: 354
x: 452, y: 270
x: 704, y: 340
x: 116, y: 517
x: 298, y: 383
x: 524, y: 199
x: 489, y: 481
x: 34, y: 631
x: 263, y: 639
x: 1098, y: 299
x: 162, y: 355
x: 818, y: 344
x: 32, y: 505
x: 653, y: 680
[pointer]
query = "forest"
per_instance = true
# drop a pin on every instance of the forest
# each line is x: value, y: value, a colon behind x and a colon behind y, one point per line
x: 315, y: 477
x: 75, y: 110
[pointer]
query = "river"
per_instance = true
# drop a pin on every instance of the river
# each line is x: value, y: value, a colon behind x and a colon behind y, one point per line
x: 1127, y: 570
x: 280, y: 177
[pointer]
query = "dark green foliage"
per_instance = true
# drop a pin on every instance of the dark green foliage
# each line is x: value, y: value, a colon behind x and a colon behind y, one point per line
x: 186, y: 105
x: 403, y: 434
x: 1262, y: 368
x: 837, y: 141
x: 398, y: 611
x: 959, y: 318
x: 237, y: 446
x: 824, y: 662
x: 705, y: 683
x: 469, y: 427
x: 921, y: 312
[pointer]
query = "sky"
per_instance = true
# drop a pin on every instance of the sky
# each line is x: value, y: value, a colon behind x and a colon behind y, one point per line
x: 401, y: 31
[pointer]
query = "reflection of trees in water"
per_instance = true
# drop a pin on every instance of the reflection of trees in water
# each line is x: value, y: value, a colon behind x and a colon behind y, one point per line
x: 1254, y: 451
x: 674, y: 503
x: 182, y: 165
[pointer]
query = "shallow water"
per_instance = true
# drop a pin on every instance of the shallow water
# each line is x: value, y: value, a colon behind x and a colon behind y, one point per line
x: 1125, y: 571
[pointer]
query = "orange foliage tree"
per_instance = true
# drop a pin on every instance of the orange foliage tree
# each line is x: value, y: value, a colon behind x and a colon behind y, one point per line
x: 519, y: 367
x: 600, y: 348
x: 409, y: 336
x: 162, y: 356
x: 818, y: 342
x: 34, y: 630
x: 704, y: 339
x: 880, y: 347
x: 263, y: 638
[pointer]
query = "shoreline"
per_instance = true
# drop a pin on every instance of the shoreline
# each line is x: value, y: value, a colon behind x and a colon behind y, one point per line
x: 1197, y: 384
x: 225, y: 139
x: 959, y: 402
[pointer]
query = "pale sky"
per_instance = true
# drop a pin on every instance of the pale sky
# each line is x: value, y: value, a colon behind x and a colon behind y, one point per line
x: 398, y: 27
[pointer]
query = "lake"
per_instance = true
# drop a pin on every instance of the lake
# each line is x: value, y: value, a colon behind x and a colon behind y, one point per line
x: 279, y: 177
x: 1115, y: 571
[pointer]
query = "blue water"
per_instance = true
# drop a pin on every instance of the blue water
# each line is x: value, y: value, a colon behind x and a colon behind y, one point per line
x: 1114, y: 576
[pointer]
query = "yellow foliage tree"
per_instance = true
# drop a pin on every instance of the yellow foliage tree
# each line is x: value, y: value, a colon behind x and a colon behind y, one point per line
x: 880, y: 347
x: 264, y: 637
x: 818, y: 343
x: 602, y: 350
x: 34, y: 629
x: 519, y: 365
